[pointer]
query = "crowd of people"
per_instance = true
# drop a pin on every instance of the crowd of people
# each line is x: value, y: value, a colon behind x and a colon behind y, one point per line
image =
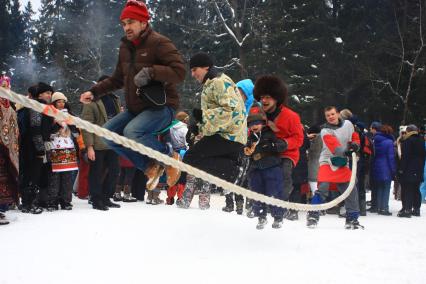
x: 244, y: 133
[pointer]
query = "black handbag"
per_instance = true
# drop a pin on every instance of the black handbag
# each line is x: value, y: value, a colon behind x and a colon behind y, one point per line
x: 154, y: 92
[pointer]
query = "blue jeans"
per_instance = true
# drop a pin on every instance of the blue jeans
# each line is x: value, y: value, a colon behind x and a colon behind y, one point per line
x: 383, y: 190
x: 140, y: 128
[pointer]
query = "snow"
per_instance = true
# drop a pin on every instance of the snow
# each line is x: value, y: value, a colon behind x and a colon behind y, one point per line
x: 142, y: 243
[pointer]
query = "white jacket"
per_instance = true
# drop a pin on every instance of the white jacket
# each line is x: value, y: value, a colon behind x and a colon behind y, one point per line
x: 178, y: 135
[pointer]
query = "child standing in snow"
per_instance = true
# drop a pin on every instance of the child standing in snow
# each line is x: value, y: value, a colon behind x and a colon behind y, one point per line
x: 62, y: 154
x: 265, y: 173
x: 178, y: 137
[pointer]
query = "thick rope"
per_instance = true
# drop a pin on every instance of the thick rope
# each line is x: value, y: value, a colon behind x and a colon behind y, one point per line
x: 102, y: 132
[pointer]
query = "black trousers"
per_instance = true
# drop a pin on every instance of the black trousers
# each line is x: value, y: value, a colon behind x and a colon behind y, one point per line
x: 36, y: 181
x: 215, y: 155
x: 103, y: 174
x: 410, y: 195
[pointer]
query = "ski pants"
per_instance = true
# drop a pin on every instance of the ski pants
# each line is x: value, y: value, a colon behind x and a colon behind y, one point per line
x: 268, y: 182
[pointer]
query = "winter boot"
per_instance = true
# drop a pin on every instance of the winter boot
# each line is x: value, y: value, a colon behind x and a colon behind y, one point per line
x: 156, y: 198
x: 261, y: 223
x: 180, y: 203
x: 292, y: 215
x: 249, y: 208
x: 170, y: 200
x: 149, y: 197
x: 229, y: 203
x: 32, y: 209
x: 312, y: 219
x: 117, y: 194
x: 98, y: 204
x: 404, y: 213
x: 250, y: 213
x: 278, y: 222
x: 52, y: 206
x: 240, y: 207
x: 188, y: 193
x: 3, y: 219
x: 352, y: 224
x: 117, y: 197
x: 384, y: 213
x: 65, y: 205
x: 111, y: 204
x: 204, y: 196
x: 127, y: 197
x: 416, y: 212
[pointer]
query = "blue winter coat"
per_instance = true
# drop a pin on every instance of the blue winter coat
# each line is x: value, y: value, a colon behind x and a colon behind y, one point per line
x: 383, y: 165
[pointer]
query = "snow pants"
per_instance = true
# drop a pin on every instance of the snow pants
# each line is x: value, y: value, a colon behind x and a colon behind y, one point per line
x: 268, y: 182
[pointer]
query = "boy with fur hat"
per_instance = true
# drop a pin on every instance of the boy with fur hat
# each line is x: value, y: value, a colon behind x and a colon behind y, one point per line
x: 147, y: 59
x: 223, y: 128
x: 272, y: 93
x: 265, y: 173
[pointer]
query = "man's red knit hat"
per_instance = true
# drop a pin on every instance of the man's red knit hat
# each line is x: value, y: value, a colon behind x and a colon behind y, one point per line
x: 136, y: 10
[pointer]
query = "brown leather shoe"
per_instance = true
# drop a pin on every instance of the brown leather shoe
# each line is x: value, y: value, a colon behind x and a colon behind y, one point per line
x: 173, y: 174
x: 153, y: 173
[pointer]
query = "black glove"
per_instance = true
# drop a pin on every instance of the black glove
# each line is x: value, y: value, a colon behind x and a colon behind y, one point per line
x: 266, y: 147
x: 143, y: 77
x: 197, y: 114
x: 353, y: 148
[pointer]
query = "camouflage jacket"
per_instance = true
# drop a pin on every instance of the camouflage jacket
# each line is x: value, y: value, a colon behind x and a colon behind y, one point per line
x: 223, y: 110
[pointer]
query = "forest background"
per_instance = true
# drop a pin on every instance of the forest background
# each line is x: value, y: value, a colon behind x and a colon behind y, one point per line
x: 365, y: 55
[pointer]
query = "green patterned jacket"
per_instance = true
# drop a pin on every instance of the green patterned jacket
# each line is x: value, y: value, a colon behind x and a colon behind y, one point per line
x: 223, y: 109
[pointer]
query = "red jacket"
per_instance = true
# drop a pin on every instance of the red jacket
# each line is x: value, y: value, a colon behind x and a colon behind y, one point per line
x: 290, y: 129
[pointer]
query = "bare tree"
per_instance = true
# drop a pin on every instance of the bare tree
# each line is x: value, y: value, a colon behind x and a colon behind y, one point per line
x: 410, y: 58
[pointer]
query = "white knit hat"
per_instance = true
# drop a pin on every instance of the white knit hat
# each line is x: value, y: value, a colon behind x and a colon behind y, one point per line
x: 58, y: 96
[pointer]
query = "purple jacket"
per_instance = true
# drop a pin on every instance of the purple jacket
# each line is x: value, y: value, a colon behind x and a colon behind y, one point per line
x: 383, y: 164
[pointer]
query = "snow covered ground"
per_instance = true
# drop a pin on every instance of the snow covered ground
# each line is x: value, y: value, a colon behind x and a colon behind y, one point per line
x: 142, y: 243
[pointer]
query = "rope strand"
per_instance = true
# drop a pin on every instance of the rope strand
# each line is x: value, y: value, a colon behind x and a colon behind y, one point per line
x: 102, y: 132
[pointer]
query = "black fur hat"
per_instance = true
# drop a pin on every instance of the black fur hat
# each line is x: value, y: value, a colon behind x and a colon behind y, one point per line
x: 273, y: 86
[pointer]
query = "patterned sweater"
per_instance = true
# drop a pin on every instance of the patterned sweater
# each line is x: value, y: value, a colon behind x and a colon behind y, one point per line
x: 223, y: 110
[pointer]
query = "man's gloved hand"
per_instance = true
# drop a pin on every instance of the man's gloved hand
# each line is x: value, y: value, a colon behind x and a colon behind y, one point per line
x: 143, y: 77
x: 353, y: 148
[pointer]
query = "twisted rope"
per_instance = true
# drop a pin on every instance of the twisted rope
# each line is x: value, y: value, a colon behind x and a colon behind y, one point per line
x: 102, y: 132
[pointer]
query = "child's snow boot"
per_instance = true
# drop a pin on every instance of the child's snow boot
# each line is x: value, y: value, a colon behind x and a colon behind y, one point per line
x: 261, y: 223
x: 312, y: 219
x: 278, y: 222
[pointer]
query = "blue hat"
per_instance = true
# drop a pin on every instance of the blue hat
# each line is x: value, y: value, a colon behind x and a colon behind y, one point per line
x: 376, y: 125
